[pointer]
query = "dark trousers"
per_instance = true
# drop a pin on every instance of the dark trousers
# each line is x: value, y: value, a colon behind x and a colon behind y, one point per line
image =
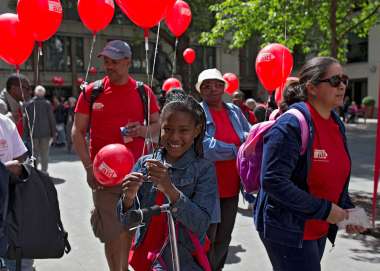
x: 284, y: 258
x: 220, y: 233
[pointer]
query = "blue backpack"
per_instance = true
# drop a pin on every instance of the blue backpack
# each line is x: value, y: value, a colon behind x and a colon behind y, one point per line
x: 250, y: 153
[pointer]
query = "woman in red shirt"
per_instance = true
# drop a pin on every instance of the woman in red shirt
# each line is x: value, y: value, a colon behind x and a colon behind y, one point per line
x: 303, y: 197
x: 226, y: 130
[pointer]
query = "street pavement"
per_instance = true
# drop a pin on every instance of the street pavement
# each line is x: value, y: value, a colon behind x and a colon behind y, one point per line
x: 351, y: 252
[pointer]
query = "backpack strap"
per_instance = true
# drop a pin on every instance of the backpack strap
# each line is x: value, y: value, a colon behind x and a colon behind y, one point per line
x: 141, y: 89
x: 303, y: 126
x: 97, y: 88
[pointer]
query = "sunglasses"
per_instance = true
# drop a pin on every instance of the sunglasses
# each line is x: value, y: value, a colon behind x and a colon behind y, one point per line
x: 335, y: 80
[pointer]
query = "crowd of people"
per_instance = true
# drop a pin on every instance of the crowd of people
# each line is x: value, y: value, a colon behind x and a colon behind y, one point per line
x: 301, y: 199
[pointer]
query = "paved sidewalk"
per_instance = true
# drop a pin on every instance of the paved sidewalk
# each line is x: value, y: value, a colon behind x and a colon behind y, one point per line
x: 351, y: 253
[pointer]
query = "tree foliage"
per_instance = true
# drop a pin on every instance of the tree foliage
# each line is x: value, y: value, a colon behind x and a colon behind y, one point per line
x: 317, y: 26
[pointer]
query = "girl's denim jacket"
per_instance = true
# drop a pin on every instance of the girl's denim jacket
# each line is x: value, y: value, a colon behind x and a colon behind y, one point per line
x: 284, y: 203
x: 195, y: 178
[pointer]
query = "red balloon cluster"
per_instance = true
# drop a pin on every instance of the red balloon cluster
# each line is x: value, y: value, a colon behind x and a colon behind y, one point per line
x: 112, y: 163
x: 41, y: 17
x: 189, y: 55
x: 58, y: 81
x: 16, y: 42
x: 96, y: 14
x: 232, y: 83
x: 171, y: 83
x: 93, y: 70
x: 274, y: 63
x: 36, y: 20
x: 178, y: 18
x: 145, y: 13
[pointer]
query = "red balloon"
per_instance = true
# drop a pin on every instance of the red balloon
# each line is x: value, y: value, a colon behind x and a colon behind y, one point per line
x: 145, y: 13
x: 16, y: 42
x: 274, y: 63
x: 171, y: 83
x: 80, y: 80
x: 96, y: 14
x: 112, y: 163
x: 232, y: 83
x: 41, y: 17
x: 58, y: 80
x: 278, y: 96
x: 93, y: 70
x: 178, y: 18
x: 189, y: 55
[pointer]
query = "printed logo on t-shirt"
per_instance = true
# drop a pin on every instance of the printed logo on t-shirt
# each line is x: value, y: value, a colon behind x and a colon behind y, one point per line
x: 97, y: 106
x: 3, y: 144
x: 320, y: 155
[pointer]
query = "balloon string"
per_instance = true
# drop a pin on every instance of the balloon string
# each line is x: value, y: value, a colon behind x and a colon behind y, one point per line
x: 155, y: 54
x: 31, y: 127
x: 39, y: 53
x: 90, y: 58
x: 175, y: 57
x: 148, y: 135
x: 146, y: 55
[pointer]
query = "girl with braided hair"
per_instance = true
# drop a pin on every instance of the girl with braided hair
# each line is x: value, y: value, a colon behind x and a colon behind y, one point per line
x: 178, y: 174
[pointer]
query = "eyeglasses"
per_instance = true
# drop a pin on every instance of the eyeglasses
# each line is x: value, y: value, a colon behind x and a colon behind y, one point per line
x: 335, y: 80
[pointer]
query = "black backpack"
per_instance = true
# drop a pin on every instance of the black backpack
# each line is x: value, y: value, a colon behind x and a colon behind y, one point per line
x: 98, y: 88
x: 31, y: 225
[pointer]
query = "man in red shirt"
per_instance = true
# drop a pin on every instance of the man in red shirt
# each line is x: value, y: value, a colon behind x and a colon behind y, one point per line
x: 118, y: 105
x: 238, y: 100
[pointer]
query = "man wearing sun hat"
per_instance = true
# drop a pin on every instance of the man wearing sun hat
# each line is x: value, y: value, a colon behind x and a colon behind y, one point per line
x: 119, y: 105
x: 226, y: 130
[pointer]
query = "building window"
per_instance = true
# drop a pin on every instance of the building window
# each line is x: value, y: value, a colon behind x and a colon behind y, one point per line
x: 58, y: 54
x: 70, y: 11
x: 205, y: 59
x: 79, y: 54
x: 357, y: 89
x: 357, y: 49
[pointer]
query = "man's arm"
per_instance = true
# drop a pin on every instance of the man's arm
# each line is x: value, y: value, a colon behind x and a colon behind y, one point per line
x: 154, y: 123
x: 136, y: 129
x: 78, y: 135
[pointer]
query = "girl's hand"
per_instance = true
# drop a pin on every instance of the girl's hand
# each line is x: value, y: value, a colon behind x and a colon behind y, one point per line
x: 158, y: 173
x: 355, y: 229
x: 337, y: 214
x: 131, y: 185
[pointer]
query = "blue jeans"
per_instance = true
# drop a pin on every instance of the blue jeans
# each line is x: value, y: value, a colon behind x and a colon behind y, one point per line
x: 26, y: 264
x: 284, y: 258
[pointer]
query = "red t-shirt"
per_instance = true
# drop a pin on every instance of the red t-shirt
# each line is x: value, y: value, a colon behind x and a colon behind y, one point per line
x: 142, y: 257
x: 329, y: 170
x: 114, y: 108
x: 248, y: 114
x: 226, y: 172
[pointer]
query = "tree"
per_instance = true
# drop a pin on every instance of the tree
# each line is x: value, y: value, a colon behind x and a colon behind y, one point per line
x: 318, y: 26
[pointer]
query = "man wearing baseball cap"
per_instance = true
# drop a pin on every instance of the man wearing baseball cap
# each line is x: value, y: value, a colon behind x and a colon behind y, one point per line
x: 117, y: 106
x: 226, y: 130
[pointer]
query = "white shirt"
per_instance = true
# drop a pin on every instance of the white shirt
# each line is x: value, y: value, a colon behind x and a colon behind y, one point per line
x: 11, y: 145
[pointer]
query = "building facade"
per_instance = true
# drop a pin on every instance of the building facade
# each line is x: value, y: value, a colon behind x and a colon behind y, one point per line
x: 67, y: 54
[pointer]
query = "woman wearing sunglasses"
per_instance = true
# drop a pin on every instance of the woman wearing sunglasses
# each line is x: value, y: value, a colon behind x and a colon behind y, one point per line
x: 303, y: 197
